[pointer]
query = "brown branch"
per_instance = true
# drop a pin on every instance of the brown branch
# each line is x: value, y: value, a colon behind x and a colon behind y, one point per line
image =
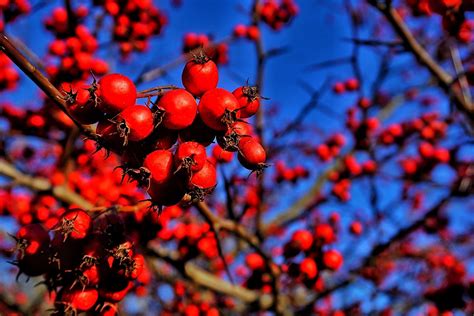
x: 382, y: 247
x: 62, y: 193
x: 424, y: 58
x: 311, y: 195
x: 228, y: 225
x: 40, y: 80
x: 208, y: 280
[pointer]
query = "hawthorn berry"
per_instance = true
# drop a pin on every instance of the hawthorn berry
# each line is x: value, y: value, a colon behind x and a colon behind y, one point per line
x: 190, y: 156
x: 200, y: 75
x: 77, y: 299
x: 74, y: 224
x: 249, y: 100
x: 252, y: 155
x: 179, y: 109
x: 135, y: 122
x: 218, y: 109
x: 159, y: 164
x: 116, y: 92
x: 203, y: 181
x: 332, y: 259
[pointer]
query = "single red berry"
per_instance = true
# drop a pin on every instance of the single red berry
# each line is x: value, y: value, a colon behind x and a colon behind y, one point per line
x: 77, y: 299
x: 136, y: 122
x: 32, y: 239
x: 303, y: 239
x: 308, y: 268
x: 160, y: 165
x: 332, y: 259
x: 117, y: 92
x: 339, y: 88
x: 191, y: 156
x: 200, y: 75
x: 179, y: 108
x: 222, y: 155
x: 75, y: 224
x: 254, y: 261
x: 352, y: 84
x: 240, y: 30
x: 253, y: 33
x: 110, y: 135
x: 325, y: 233
x: 219, y: 109
x: 204, y: 179
x: 356, y: 228
x: 82, y: 103
x: 249, y: 100
x: 252, y: 155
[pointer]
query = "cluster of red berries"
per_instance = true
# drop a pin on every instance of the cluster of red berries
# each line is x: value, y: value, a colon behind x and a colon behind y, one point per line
x: 313, y: 245
x: 252, y: 32
x: 452, y: 11
x: 429, y: 157
x: 362, y: 130
x: 351, y: 84
x: 61, y: 23
x: 428, y: 127
x: 8, y: 75
x: 89, y: 262
x: 76, y: 57
x: 135, y: 22
x: 428, y: 7
x: 276, y: 15
x: 349, y: 169
x: 11, y: 9
x: 144, y: 137
x: 288, y: 174
x: 219, y: 53
x: 331, y: 148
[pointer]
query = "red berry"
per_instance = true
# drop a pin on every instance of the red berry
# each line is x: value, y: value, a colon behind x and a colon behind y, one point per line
x: 253, y: 33
x: 302, y: 239
x: 252, y: 155
x: 339, y: 88
x: 191, y: 156
x: 308, y: 268
x: 352, y: 84
x: 249, y: 100
x: 82, y: 101
x: 332, y: 259
x: 136, y: 121
x: 356, y: 228
x: 254, y: 261
x: 160, y: 165
x: 240, y: 30
x: 218, y: 109
x: 32, y: 239
x: 74, y: 224
x: 179, y: 108
x: 200, y: 75
x: 324, y: 233
x: 204, y: 179
x: 78, y: 299
x: 117, y: 92
x: 222, y: 155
